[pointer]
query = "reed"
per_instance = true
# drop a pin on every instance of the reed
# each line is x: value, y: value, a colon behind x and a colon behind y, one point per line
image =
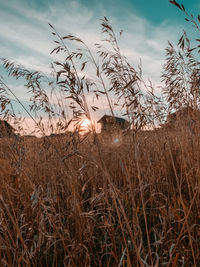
x: 86, y: 200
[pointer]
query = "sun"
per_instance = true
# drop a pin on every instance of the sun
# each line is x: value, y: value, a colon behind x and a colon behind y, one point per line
x: 85, y: 125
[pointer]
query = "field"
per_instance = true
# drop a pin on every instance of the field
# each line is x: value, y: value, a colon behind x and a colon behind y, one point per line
x: 95, y: 202
x: 116, y: 198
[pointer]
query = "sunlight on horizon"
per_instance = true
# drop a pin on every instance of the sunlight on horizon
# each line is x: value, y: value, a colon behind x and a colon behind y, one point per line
x: 29, y: 127
x: 84, y: 126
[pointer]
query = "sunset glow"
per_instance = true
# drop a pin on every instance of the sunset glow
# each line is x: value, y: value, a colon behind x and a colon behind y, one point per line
x: 85, y: 125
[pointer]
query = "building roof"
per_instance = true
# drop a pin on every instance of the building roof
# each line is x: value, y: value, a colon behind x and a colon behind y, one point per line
x: 105, y: 118
x: 184, y: 113
x: 6, y: 129
x: 183, y: 116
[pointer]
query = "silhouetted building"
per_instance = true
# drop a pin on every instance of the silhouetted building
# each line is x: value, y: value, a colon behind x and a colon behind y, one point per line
x: 187, y: 117
x: 6, y: 130
x: 110, y: 122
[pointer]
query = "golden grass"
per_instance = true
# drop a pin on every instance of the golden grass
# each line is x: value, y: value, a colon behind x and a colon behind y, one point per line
x: 114, y: 199
x: 129, y: 204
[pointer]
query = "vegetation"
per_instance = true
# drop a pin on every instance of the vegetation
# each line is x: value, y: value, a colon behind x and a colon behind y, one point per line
x: 117, y: 199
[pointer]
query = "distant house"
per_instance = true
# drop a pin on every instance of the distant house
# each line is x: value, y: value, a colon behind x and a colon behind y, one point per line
x: 187, y: 117
x: 109, y: 122
x: 6, y: 130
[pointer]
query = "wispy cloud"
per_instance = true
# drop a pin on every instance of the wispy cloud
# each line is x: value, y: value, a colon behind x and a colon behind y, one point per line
x: 26, y: 36
x: 26, y: 30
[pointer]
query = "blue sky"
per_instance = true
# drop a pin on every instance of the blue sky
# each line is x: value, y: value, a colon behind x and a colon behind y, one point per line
x: 25, y: 36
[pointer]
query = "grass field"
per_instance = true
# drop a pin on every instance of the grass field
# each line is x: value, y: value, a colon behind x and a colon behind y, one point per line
x: 98, y: 203
x: 117, y: 198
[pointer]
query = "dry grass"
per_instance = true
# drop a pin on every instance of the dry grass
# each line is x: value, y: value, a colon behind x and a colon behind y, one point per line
x: 113, y: 199
x: 133, y: 204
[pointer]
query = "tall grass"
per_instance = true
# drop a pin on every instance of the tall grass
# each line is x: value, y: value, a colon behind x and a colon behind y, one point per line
x: 71, y: 200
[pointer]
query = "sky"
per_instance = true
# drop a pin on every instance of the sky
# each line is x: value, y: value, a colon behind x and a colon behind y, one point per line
x: 25, y: 36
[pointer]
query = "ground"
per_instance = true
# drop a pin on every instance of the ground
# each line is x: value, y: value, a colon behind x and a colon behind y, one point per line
x: 100, y: 200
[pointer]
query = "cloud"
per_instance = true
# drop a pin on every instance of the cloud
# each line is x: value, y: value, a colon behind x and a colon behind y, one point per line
x: 29, y: 40
x: 26, y: 37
